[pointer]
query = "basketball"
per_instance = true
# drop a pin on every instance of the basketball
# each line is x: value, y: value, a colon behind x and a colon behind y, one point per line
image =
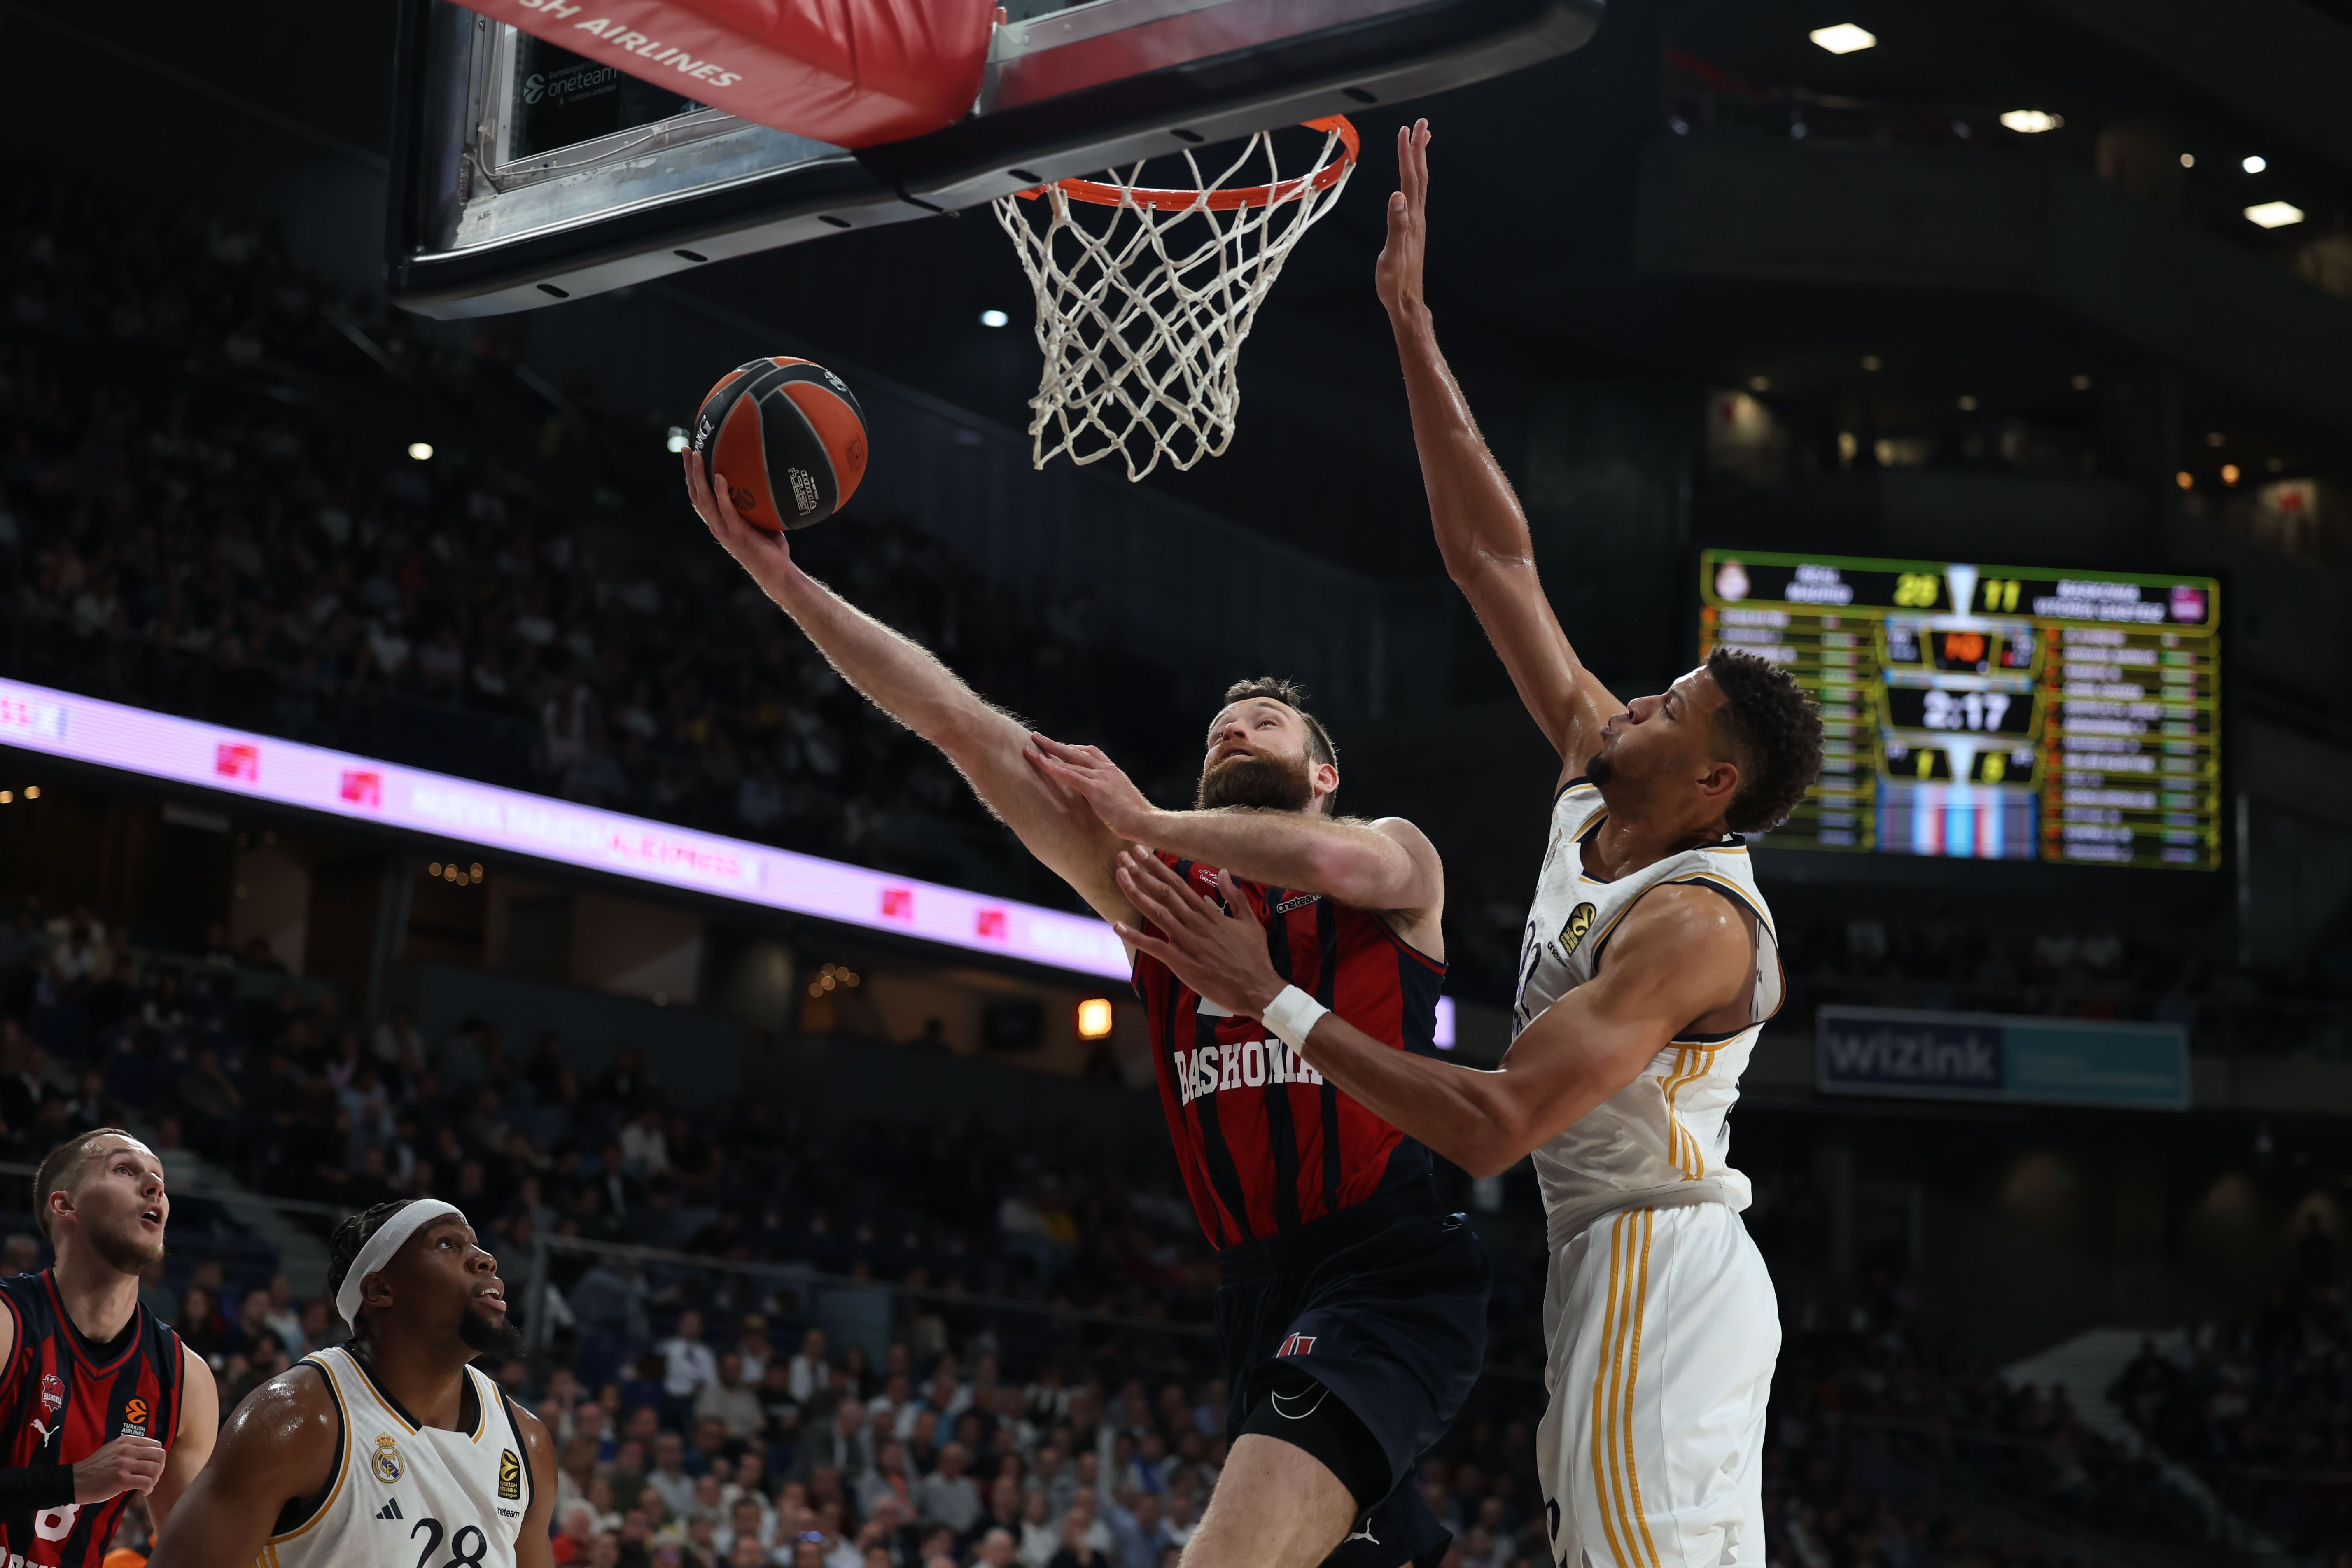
x: 789, y: 436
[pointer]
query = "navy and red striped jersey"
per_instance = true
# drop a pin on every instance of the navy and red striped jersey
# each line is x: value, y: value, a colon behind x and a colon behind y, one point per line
x: 1266, y: 1143
x: 62, y: 1405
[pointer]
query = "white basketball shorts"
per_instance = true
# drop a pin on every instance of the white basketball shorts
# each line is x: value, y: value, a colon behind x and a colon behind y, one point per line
x: 1663, y: 1328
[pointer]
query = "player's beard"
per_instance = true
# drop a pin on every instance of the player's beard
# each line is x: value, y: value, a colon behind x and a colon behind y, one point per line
x: 485, y: 1337
x: 1278, y: 784
x: 125, y: 1251
x: 1600, y: 769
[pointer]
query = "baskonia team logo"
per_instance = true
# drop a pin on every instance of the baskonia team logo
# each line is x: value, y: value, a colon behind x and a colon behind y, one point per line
x: 1580, y: 921
x: 387, y: 1462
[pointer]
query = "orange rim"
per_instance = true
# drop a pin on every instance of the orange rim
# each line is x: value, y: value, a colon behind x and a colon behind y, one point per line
x: 1226, y: 200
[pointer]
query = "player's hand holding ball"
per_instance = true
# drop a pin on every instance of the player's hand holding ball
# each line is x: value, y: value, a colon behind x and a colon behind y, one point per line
x: 126, y: 1464
x: 778, y: 444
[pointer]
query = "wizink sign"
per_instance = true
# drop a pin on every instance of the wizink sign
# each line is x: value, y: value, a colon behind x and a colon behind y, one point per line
x: 1994, y: 1056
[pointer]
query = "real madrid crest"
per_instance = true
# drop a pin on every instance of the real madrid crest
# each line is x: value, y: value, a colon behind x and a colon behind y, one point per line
x: 387, y: 1463
x: 1580, y: 921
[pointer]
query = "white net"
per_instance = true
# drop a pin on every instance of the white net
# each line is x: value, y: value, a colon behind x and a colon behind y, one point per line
x: 1144, y: 298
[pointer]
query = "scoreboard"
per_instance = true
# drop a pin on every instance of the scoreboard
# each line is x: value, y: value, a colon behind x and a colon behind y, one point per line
x: 1991, y: 712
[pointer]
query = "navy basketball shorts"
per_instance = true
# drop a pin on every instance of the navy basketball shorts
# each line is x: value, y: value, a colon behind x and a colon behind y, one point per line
x: 1384, y: 1304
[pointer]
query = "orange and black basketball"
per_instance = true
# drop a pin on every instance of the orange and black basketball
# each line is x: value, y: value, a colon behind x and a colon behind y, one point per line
x: 790, y: 439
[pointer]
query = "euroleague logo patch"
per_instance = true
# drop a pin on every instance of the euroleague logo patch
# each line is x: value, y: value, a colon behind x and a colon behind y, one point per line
x: 387, y: 1463
x: 509, y: 1475
x: 134, y: 1420
x: 1572, y: 935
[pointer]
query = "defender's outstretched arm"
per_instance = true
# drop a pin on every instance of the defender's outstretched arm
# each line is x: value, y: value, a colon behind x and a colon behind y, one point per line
x: 1680, y: 954
x: 1481, y: 531
x: 905, y: 680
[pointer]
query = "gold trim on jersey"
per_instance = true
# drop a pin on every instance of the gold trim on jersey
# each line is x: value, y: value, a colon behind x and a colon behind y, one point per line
x: 1616, y: 1479
x: 268, y: 1558
x: 1692, y: 1063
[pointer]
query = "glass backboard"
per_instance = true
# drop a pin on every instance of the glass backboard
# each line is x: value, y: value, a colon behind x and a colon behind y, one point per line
x: 526, y: 173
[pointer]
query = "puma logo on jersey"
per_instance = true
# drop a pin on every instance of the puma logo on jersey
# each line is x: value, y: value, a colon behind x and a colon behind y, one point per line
x: 42, y: 1427
x: 389, y: 1510
x: 1363, y: 1534
x: 1571, y: 934
x: 1241, y: 1064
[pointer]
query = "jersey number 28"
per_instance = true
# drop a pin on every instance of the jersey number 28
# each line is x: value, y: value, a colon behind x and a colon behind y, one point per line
x: 462, y: 1555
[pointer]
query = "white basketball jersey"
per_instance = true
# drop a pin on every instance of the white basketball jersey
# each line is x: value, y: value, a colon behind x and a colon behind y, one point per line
x: 1661, y: 1139
x: 406, y: 1495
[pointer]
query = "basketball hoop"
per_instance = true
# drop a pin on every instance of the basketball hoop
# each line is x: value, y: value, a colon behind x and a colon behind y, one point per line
x: 1141, y: 319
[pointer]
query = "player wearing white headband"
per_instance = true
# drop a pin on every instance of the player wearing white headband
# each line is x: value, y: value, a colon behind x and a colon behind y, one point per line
x: 393, y: 1451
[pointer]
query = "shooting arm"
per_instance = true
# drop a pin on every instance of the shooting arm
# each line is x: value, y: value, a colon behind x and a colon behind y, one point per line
x: 1481, y: 531
x: 905, y: 681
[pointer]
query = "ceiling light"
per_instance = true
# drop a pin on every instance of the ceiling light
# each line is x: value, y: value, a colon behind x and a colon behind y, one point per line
x: 675, y: 439
x: 1094, y: 1018
x: 2033, y: 122
x: 32, y: 792
x: 1870, y: 362
x: 2229, y: 473
x: 2188, y: 160
x: 2255, y: 164
x: 2214, y: 438
x: 2274, y: 215
x: 1759, y: 383
x: 994, y: 319
x: 2185, y: 479
x: 423, y: 450
x: 1845, y: 38
x: 1967, y: 403
x: 2081, y: 384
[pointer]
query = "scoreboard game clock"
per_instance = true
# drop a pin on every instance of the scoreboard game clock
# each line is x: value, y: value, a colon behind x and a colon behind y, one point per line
x: 1991, y: 712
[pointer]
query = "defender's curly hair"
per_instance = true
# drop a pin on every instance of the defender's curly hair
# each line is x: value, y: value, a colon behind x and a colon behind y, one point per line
x: 1775, y: 731
x: 343, y: 1246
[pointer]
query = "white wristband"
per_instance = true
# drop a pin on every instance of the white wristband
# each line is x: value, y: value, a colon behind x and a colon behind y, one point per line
x: 1292, y: 1015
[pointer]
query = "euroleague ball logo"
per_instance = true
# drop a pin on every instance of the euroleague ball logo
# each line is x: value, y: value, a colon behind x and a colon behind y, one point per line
x: 1572, y: 935
x: 745, y: 502
x: 534, y: 88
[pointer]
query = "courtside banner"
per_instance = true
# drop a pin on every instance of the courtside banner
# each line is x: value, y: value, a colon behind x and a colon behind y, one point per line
x: 852, y: 73
x: 1999, y: 1056
x: 287, y: 772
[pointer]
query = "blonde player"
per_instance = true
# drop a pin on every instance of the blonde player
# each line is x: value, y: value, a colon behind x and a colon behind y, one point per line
x: 1648, y: 968
x: 394, y: 1451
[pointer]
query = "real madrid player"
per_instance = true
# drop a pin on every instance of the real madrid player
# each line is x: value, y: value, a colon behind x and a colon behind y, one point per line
x: 394, y: 1451
x: 101, y: 1400
x: 1648, y: 967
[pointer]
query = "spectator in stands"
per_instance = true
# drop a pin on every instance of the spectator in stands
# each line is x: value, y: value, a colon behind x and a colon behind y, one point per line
x: 728, y: 1400
x: 947, y: 1496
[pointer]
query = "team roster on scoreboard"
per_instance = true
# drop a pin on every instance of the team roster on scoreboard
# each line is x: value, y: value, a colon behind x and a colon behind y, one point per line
x: 1991, y: 712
